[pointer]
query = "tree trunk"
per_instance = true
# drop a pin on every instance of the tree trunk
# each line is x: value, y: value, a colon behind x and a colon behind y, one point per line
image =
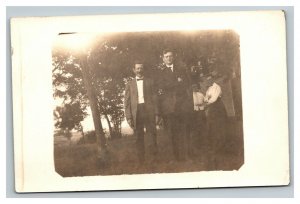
x: 111, y: 132
x: 82, y: 133
x: 117, y: 129
x: 100, y: 138
x: 69, y: 136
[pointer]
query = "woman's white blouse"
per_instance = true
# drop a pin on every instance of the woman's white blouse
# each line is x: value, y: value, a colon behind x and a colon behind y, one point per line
x: 213, y: 93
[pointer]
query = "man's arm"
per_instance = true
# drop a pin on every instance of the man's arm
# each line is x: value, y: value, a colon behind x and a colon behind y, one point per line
x: 154, y: 94
x: 127, y: 105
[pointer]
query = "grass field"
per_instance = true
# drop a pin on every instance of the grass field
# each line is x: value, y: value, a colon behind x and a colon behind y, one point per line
x: 81, y: 160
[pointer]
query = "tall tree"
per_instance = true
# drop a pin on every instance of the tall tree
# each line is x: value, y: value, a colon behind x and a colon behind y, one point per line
x: 69, y: 88
x: 71, y: 81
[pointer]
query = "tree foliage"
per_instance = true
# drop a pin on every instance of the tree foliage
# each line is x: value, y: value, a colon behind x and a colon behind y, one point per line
x: 69, y: 116
x: 111, y: 57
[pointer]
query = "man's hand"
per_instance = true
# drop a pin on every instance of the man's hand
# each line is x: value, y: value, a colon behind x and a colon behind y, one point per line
x: 160, y: 92
x: 193, y: 69
x: 158, y: 120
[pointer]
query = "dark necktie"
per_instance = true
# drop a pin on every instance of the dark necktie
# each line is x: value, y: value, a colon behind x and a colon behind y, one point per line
x: 170, y: 68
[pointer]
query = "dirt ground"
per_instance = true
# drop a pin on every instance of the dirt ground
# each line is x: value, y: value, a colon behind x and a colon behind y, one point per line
x: 81, y: 160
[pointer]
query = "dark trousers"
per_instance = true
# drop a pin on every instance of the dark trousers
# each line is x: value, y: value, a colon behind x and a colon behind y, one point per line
x: 198, y: 128
x: 176, y: 128
x: 145, y: 120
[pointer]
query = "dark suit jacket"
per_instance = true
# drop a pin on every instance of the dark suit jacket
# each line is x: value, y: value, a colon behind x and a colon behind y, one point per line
x: 131, y: 100
x: 175, y: 96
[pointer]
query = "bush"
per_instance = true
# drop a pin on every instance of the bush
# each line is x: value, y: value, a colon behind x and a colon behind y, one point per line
x: 115, y: 135
x: 89, y: 138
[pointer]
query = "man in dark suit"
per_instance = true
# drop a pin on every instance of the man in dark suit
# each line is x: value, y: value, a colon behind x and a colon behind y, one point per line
x: 175, y: 102
x: 141, y: 109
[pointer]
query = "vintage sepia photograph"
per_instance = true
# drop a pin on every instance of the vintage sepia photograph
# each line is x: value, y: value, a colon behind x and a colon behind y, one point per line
x: 150, y: 101
x: 147, y: 102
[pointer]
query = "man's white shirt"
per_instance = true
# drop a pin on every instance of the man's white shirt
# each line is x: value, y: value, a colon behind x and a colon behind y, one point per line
x: 140, y: 88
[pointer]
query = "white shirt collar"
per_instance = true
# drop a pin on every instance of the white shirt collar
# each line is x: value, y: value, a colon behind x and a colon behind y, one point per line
x: 170, y: 66
x: 137, y: 78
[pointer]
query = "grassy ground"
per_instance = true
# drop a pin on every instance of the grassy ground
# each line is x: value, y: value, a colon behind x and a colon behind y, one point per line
x: 81, y: 160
